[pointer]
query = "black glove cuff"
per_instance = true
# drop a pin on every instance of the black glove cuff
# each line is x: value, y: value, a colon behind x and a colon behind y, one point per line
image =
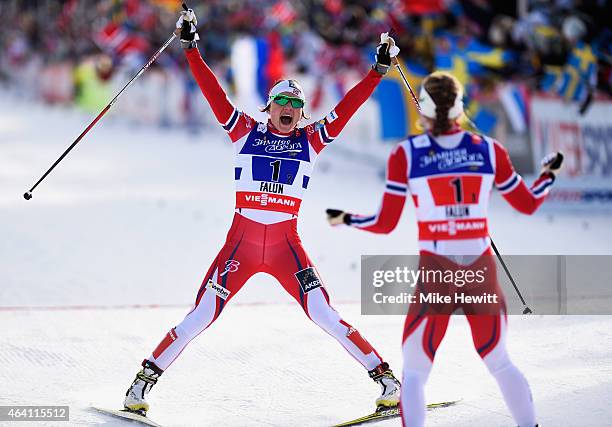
x: 188, y: 44
x: 381, y: 68
x: 549, y: 174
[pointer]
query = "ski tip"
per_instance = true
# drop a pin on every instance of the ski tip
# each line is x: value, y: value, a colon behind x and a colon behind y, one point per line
x: 445, y: 404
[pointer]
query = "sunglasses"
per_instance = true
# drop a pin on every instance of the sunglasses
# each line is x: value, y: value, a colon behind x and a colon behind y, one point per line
x: 284, y: 99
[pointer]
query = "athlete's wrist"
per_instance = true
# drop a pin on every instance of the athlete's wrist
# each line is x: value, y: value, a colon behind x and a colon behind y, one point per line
x: 189, y: 44
x: 548, y: 175
x: 380, y: 68
x: 338, y: 217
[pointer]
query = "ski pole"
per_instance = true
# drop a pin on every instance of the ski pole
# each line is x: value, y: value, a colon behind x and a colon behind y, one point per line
x: 28, y: 194
x: 414, y: 98
x: 526, y: 310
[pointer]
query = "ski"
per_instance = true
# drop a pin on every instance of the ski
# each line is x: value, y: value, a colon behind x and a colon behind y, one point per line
x: 385, y: 414
x: 127, y: 415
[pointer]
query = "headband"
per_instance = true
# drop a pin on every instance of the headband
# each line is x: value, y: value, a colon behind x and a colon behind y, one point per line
x: 428, y: 106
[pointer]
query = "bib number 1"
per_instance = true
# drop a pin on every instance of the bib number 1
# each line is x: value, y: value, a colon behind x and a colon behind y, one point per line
x: 275, y: 170
x: 270, y: 169
x: 454, y: 190
x: 458, y: 191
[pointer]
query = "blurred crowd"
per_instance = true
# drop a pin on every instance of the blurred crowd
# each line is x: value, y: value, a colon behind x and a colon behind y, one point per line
x: 562, y: 47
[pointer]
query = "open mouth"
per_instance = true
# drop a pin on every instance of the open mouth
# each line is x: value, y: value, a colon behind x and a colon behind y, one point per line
x: 286, y: 119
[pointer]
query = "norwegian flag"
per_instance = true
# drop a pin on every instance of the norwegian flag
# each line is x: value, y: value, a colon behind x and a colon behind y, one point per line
x: 118, y: 41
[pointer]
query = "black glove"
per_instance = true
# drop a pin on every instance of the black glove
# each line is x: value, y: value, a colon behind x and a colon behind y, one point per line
x: 551, y: 163
x: 383, y: 59
x: 337, y: 217
x: 384, y: 52
x: 187, y: 23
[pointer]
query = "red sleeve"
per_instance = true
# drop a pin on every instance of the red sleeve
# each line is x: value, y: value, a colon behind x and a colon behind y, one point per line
x: 236, y: 123
x: 393, y: 200
x: 513, y: 188
x: 326, y: 130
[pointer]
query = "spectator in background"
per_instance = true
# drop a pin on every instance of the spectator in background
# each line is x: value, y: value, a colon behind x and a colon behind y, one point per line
x: 571, y: 72
x: 91, y: 83
x: 579, y: 77
x: 564, y: 45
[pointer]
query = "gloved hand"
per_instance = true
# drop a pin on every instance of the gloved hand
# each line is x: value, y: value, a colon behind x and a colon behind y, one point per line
x: 551, y: 163
x: 337, y: 217
x: 187, y: 23
x: 384, y: 52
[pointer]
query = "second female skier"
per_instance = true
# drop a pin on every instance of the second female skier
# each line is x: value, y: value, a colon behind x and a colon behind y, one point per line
x: 450, y: 174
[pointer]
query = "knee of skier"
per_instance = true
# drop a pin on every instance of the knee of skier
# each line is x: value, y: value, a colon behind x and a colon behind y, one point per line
x: 191, y: 329
x: 321, y: 313
x: 497, y: 360
x: 196, y: 321
x: 325, y: 318
x: 416, y: 359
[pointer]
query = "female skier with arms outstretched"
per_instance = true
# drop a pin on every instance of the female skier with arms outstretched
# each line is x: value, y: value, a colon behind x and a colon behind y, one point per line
x: 450, y: 174
x: 273, y: 166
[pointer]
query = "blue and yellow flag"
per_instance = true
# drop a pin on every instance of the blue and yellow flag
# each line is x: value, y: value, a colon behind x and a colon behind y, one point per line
x: 398, y: 112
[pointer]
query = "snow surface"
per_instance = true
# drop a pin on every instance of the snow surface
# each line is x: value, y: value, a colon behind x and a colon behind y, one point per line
x: 135, y: 215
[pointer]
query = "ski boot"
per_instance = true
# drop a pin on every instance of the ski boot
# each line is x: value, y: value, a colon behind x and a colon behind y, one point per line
x: 390, y: 386
x: 143, y: 383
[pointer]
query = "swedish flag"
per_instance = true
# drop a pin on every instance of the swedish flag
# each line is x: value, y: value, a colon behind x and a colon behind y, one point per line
x: 573, y: 80
x: 398, y: 112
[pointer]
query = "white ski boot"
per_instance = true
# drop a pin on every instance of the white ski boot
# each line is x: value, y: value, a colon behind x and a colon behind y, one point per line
x: 143, y: 383
x: 390, y: 386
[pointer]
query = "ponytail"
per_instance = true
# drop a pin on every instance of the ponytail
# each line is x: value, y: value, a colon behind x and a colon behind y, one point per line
x: 441, y: 123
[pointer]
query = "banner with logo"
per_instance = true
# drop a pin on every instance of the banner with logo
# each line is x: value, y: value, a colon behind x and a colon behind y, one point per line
x: 586, y: 142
